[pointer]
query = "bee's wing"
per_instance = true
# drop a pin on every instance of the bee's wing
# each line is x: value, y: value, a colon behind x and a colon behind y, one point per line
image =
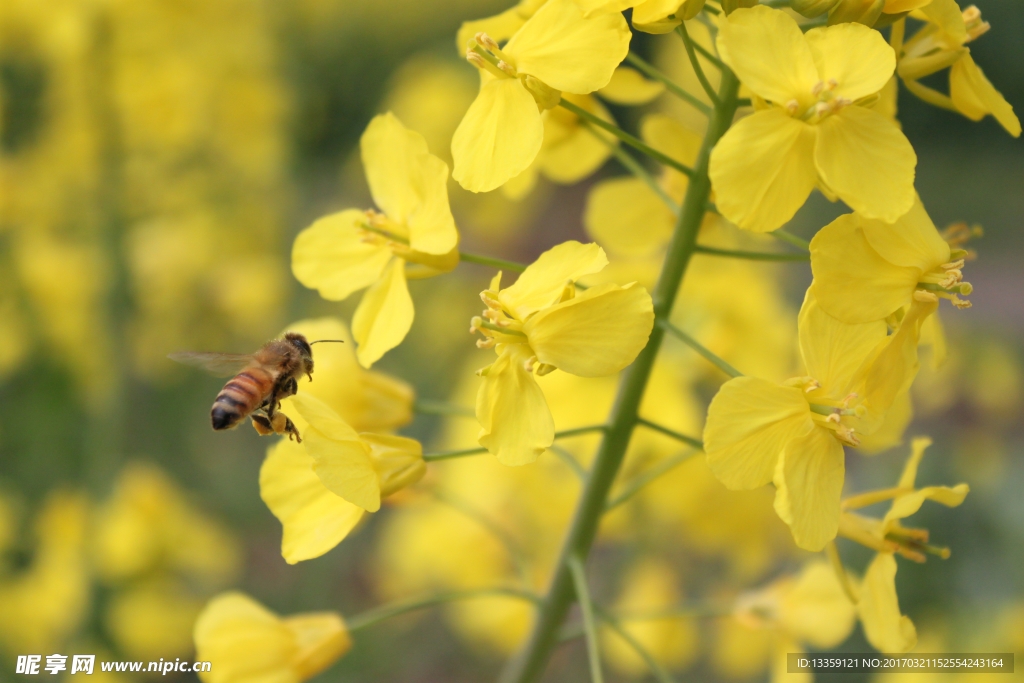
x: 217, y: 364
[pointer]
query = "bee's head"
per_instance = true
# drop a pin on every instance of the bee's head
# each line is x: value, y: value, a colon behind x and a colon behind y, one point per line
x: 305, y: 350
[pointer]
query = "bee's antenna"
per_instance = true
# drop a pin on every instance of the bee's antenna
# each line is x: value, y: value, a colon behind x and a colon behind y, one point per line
x: 340, y: 341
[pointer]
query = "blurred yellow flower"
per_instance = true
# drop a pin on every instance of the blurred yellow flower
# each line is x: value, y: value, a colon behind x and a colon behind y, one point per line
x: 816, y: 132
x: 650, y: 586
x: 153, y: 619
x: 148, y: 524
x: 347, y: 251
x: 810, y: 608
x: 884, y: 626
x: 44, y: 604
x: 541, y: 323
x: 555, y: 50
x: 650, y: 16
x: 246, y: 643
x: 867, y: 269
x: 629, y: 87
x: 793, y: 434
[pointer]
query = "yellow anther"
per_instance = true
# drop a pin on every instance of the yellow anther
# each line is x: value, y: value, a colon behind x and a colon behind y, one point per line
x: 818, y: 88
x: 811, y: 386
x: 792, y: 107
x: 486, y: 41
x: 507, y: 68
x: 925, y: 297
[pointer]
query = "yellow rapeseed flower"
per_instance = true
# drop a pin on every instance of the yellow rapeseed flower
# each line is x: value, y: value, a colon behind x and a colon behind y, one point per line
x: 942, y: 43
x: 556, y: 50
x: 793, y: 434
x: 541, y: 323
x: 815, y: 132
x: 884, y: 626
x: 867, y: 269
x: 650, y: 16
x: 349, y: 250
x: 247, y: 643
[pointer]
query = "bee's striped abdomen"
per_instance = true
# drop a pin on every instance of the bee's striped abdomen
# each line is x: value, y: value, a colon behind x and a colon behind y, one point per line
x: 243, y: 394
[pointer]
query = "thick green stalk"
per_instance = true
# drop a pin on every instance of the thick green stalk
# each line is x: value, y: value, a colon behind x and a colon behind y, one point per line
x: 530, y: 664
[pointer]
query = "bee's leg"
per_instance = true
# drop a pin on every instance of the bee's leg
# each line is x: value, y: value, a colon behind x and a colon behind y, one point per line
x: 288, y: 388
x: 262, y: 424
x: 283, y: 425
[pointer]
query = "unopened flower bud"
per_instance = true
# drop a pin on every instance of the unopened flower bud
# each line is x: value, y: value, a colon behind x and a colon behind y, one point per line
x: 813, y: 8
x: 729, y: 5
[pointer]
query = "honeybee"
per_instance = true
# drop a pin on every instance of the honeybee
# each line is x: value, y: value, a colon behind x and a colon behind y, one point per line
x: 259, y: 381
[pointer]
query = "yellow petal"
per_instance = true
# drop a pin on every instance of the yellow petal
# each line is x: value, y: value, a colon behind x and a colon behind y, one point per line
x: 662, y: 16
x: 597, y: 333
x: 767, y: 50
x: 543, y: 280
x: 314, y: 519
x: 500, y: 27
x: 763, y: 169
x: 244, y: 642
x: 593, y: 7
x: 615, y: 207
x: 321, y: 638
x: 815, y: 609
x: 571, y: 152
x: 901, y: 6
x: 857, y: 57
x: 408, y: 183
x: 892, y: 367
x: 891, y: 431
x: 833, y: 351
x: 322, y: 417
x: 629, y: 87
x: 946, y: 14
x: 884, y: 627
x: 867, y: 161
x: 809, y: 483
x: 911, y: 241
x: 750, y: 421
x: 568, y: 52
x: 331, y: 257
x: 974, y: 95
x: 384, y: 316
x: 670, y: 137
x: 498, y: 137
x: 516, y: 424
x: 340, y: 458
x: 851, y: 280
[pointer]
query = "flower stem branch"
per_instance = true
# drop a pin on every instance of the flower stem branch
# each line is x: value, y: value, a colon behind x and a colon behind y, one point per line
x: 579, y: 578
x: 630, y: 140
x: 528, y: 666
x: 699, y: 348
x: 500, y: 264
x: 564, y: 434
x: 426, y: 406
x: 790, y: 238
x: 688, y: 440
x: 752, y: 255
x: 637, y: 169
x: 698, y: 69
x: 614, y: 624
x: 634, y: 485
x: 672, y: 86
x: 379, y: 614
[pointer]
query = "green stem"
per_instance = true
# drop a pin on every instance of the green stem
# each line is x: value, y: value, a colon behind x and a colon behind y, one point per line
x: 426, y: 406
x: 378, y: 614
x: 571, y: 462
x: 656, y: 668
x: 688, y: 440
x: 698, y: 69
x: 672, y: 87
x: 530, y: 664
x: 753, y: 255
x: 500, y: 264
x: 699, y: 348
x: 564, y: 434
x: 790, y: 238
x: 579, y: 579
x: 711, y: 58
x: 637, y: 169
x: 630, y: 140
x: 634, y: 485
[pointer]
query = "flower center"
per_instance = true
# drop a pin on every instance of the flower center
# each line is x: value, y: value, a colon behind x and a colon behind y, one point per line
x: 497, y: 325
x: 946, y: 282
x: 825, y: 102
x: 483, y: 52
x: 836, y: 416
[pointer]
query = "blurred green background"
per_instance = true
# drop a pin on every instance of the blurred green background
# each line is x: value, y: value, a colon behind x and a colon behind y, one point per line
x: 157, y: 158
